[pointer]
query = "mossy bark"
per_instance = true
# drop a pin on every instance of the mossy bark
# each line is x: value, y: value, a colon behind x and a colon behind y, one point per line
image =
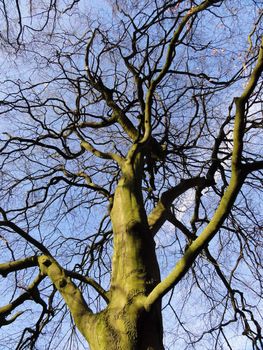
x: 125, y: 324
x: 129, y: 328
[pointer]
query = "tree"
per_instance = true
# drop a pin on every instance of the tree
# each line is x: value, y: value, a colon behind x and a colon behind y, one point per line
x: 131, y: 144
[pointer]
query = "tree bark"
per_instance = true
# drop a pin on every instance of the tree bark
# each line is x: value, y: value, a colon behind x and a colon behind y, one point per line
x: 125, y: 324
x: 129, y: 328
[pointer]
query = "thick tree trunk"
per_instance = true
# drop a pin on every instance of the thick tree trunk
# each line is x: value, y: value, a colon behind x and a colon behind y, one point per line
x: 125, y: 324
x: 127, y: 329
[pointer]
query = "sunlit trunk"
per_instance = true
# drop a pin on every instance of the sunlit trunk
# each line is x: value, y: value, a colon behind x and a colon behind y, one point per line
x: 125, y: 329
x: 125, y: 324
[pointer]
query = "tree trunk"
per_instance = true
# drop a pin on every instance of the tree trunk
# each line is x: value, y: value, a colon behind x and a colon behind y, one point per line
x: 126, y: 329
x: 125, y: 324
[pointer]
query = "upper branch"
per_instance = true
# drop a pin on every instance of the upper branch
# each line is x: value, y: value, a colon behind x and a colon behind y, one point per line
x: 25, y: 235
x: 38, y: 142
x: 167, y: 64
x: 227, y: 201
x: 159, y: 214
x: 240, y: 102
x: 105, y: 155
x: 107, y: 95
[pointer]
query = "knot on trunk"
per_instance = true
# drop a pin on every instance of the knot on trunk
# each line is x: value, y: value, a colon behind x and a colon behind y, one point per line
x: 62, y: 283
x: 134, y: 227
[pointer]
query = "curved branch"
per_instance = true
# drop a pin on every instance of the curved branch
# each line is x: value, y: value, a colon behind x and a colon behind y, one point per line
x: 31, y: 293
x: 236, y: 181
x: 31, y: 142
x: 107, y: 95
x: 89, y: 183
x: 160, y: 213
x: 105, y: 155
x: 33, y: 261
x: 168, y: 61
x: 68, y: 290
x: 25, y: 235
x: 101, y: 291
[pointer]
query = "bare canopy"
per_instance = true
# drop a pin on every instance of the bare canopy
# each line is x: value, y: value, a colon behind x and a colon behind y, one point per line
x: 131, y: 174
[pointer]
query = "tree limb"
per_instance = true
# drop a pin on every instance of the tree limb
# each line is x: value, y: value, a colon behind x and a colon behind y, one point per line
x: 11, y: 266
x: 31, y: 293
x: 68, y: 290
x: 168, y: 61
x: 227, y: 201
x: 105, y: 155
x: 101, y: 291
x: 25, y: 235
x: 159, y: 214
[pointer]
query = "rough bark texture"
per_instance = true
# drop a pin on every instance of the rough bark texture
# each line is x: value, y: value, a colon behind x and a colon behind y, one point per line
x: 128, y: 328
x: 125, y: 324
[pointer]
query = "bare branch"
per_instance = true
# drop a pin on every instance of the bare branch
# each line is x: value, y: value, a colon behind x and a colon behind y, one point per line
x: 227, y: 201
x: 11, y: 266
